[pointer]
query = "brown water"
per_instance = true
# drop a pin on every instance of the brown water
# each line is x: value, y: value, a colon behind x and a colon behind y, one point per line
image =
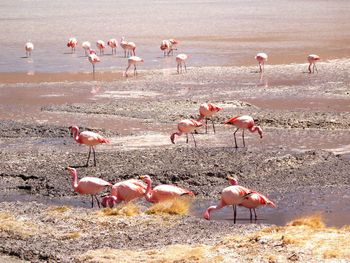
x: 214, y: 32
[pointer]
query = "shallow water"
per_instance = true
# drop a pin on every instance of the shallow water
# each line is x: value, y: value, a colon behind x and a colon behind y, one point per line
x: 214, y: 32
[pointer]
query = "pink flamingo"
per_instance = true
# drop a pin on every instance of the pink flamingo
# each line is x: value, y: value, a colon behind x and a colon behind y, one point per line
x: 113, y: 43
x: 131, y: 47
x: 312, y: 60
x: 232, y: 195
x: 186, y: 126
x: 168, y: 46
x: 88, y: 185
x: 254, y: 200
x: 133, y: 60
x: 88, y: 138
x: 125, y: 191
x: 29, y: 47
x: 244, y: 122
x: 86, y: 46
x: 206, y: 111
x: 72, y: 43
x: 181, y: 61
x: 93, y: 59
x: 261, y: 58
x: 100, y: 44
x: 123, y: 44
x: 163, y: 192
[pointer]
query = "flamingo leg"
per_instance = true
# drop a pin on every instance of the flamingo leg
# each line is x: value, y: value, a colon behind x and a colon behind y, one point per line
x: 310, y: 68
x: 243, y: 138
x: 195, y: 144
x: 234, y: 213
x: 260, y: 67
x: 234, y: 135
x: 212, y: 120
x: 185, y: 67
x: 315, y: 68
x: 87, y: 162
x: 255, y: 214
x: 92, y: 201
x: 98, y: 202
x: 178, y: 68
x: 126, y: 70
x: 186, y: 137
x: 93, y: 150
x: 135, y: 71
x: 206, y: 126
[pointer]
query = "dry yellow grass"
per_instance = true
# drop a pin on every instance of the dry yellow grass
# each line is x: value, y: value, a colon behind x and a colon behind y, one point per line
x: 129, y: 209
x: 178, y: 206
x: 70, y: 235
x: 17, y: 227
x: 58, y: 209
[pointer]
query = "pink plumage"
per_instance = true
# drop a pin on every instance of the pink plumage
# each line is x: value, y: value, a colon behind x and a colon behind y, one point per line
x: 186, y: 126
x: 312, y: 59
x: 181, y: 62
x: 261, y: 58
x: 207, y: 111
x: 133, y: 60
x: 72, y: 43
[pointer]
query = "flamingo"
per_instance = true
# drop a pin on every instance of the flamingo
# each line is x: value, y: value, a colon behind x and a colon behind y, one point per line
x: 88, y: 138
x: 312, y: 58
x: 254, y: 200
x: 186, y: 126
x: 181, y: 61
x: 232, y: 195
x: 123, y: 44
x: 86, y: 46
x: 100, y: 44
x: 88, y: 185
x: 163, y: 192
x: 113, y: 43
x: 244, y: 122
x: 29, y: 47
x: 72, y: 43
x: 131, y: 47
x: 133, y: 60
x: 125, y: 191
x: 168, y: 46
x: 93, y: 59
x: 206, y: 111
x: 261, y: 58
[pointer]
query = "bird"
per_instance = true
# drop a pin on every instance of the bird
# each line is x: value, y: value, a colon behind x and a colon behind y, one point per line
x: 232, y: 195
x: 181, y: 61
x: 186, y: 126
x: 133, y: 60
x: 93, y: 59
x: 127, y: 190
x: 129, y: 47
x: 113, y: 43
x: 123, y: 44
x: 253, y: 201
x: 206, y: 111
x: 88, y: 138
x: 244, y: 122
x: 261, y: 58
x: 163, y: 192
x: 86, y: 46
x: 88, y: 185
x: 312, y: 58
x: 100, y: 44
x: 72, y: 43
x: 29, y: 47
x: 168, y: 46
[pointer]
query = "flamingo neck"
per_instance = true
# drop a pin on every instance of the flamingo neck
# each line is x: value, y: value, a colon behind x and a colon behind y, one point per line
x: 172, y: 137
x: 75, y: 180
x: 75, y: 132
x: 256, y: 128
x: 148, y: 193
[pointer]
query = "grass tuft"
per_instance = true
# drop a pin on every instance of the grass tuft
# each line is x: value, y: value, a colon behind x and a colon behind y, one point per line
x: 129, y: 209
x: 177, y: 206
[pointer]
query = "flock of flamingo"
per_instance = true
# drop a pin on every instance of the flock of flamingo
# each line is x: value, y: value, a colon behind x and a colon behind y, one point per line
x: 167, y: 46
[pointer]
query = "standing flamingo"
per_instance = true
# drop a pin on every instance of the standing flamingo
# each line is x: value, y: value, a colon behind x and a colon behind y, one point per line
x: 133, y: 60
x: 244, y: 122
x: 86, y: 46
x: 168, y: 46
x: 123, y: 44
x: 125, y: 191
x: 312, y: 60
x: 88, y: 138
x: 181, y: 61
x: 186, y: 126
x: 254, y: 200
x: 131, y: 47
x: 163, y: 192
x: 93, y: 59
x: 88, y: 185
x: 206, y: 111
x: 72, y: 43
x: 100, y: 44
x: 29, y: 47
x: 113, y: 43
x: 232, y: 195
x: 261, y: 58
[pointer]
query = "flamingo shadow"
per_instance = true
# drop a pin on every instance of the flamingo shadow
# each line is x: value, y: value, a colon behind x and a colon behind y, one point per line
x: 78, y: 166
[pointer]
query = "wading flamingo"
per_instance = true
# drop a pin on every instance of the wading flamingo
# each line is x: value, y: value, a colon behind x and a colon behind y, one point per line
x: 113, y: 43
x: 131, y: 47
x: 181, y: 61
x: 72, y: 43
x: 168, y: 46
x: 93, y: 59
x: 232, y: 195
x: 244, y: 122
x: 125, y: 191
x: 261, y: 58
x: 88, y: 185
x: 88, y: 138
x: 186, y: 126
x: 253, y: 201
x: 123, y: 44
x: 312, y: 60
x: 29, y: 47
x: 133, y: 60
x: 206, y: 111
x: 163, y: 192
x: 86, y: 46
x: 100, y: 44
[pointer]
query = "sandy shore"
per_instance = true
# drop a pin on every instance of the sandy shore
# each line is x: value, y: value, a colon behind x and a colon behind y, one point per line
x: 302, y: 163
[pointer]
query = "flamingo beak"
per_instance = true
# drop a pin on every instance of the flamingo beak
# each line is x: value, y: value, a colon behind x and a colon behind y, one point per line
x: 142, y: 177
